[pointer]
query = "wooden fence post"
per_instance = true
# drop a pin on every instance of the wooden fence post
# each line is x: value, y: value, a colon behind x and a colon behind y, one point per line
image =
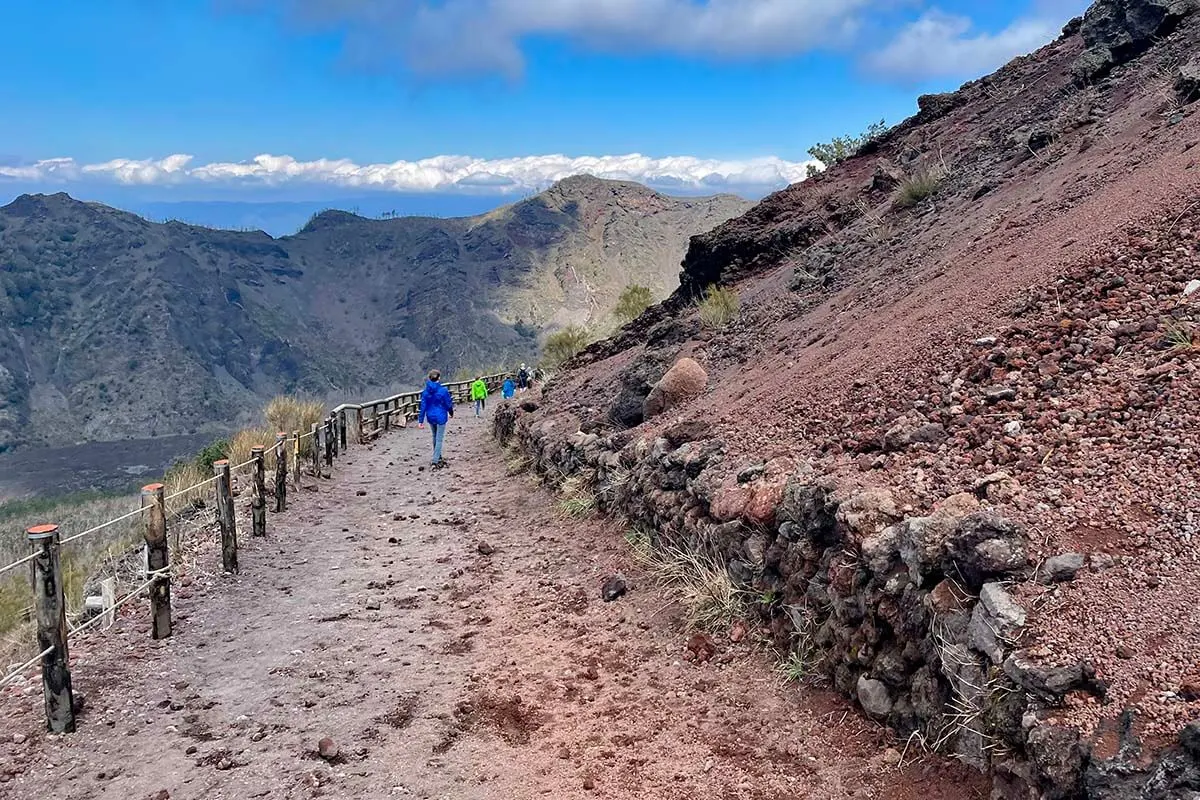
x: 280, y: 472
x: 358, y: 421
x: 329, y: 441
x: 295, y: 456
x: 387, y: 418
x: 52, y: 629
x: 229, y: 548
x: 258, y: 495
x: 154, y: 530
x: 342, y: 428
x: 337, y: 440
x: 316, y: 450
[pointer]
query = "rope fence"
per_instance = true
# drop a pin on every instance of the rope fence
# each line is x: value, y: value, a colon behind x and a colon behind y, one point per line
x: 165, y: 532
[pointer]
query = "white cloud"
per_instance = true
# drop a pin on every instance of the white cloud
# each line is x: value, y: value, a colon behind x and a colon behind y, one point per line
x: 437, y: 174
x: 939, y: 45
x: 466, y: 36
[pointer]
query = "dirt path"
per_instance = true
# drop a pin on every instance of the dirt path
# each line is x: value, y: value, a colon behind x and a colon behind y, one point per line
x: 370, y: 616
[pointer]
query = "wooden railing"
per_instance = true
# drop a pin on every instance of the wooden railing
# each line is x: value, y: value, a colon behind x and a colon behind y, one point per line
x: 165, y: 529
x: 375, y: 417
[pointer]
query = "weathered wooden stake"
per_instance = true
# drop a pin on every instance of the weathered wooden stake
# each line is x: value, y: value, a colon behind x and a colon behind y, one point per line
x: 358, y: 420
x: 316, y: 450
x: 154, y: 529
x: 258, y: 492
x: 329, y: 441
x: 280, y: 472
x: 294, y: 467
x: 387, y: 418
x: 342, y: 428
x: 229, y: 548
x: 108, y: 599
x: 52, y: 629
x: 337, y: 439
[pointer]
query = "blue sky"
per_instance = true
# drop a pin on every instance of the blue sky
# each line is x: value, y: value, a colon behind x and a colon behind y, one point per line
x: 712, y: 94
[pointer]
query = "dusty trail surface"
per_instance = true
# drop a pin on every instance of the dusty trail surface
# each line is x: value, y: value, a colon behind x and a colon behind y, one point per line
x: 445, y: 632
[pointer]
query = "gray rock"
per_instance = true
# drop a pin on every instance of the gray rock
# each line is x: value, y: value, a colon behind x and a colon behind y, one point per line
x: 1058, y: 569
x: 995, y: 621
x: 1050, y: 684
x: 874, y: 697
x: 1058, y: 756
x: 882, y: 551
x: 996, y: 394
x: 1115, y: 31
x: 751, y: 473
x: 923, y: 545
x: 867, y: 512
x: 613, y: 588
x: 1187, y: 88
x: 984, y: 546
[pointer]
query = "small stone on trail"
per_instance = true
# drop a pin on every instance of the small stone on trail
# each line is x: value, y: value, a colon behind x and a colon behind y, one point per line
x: 393, y: 540
x: 737, y: 632
x: 891, y: 757
x: 18, y: 738
x: 161, y: 794
x: 484, y: 548
x: 327, y: 748
x: 1058, y: 569
x: 361, y: 493
x: 1192, y: 287
x: 589, y: 784
x: 702, y: 647
x: 374, y: 605
x: 613, y: 588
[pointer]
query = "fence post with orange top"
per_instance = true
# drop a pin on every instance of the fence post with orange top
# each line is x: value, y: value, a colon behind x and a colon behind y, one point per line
x: 51, y: 612
x: 154, y: 529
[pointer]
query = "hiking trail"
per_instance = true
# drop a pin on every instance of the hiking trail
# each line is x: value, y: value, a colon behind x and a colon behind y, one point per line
x: 410, y: 633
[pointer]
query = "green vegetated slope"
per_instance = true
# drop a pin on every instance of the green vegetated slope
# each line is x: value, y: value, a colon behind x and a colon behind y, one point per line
x: 112, y: 326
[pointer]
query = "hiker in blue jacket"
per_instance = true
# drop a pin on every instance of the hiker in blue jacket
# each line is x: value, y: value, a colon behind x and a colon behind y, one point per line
x: 437, y: 406
x: 508, y: 390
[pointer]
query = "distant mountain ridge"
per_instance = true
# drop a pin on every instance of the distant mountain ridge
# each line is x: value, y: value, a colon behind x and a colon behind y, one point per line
x: 112, y: 326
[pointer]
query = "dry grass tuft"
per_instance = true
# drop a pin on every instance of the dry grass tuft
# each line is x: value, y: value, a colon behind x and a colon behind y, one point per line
x: 243, y: 441
x: 286, y: 413
x: 700, y: 583
x: 718, y: 307
x: 920, y: 186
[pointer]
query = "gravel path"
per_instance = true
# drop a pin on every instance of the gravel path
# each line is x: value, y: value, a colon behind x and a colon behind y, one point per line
x: 444, y: 632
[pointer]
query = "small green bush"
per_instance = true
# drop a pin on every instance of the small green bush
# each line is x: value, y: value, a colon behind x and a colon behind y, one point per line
x: 840, y: 148
x: 633, y: 301
x: 561, y: 346
x: 212, y: 452
x: 718, y: 307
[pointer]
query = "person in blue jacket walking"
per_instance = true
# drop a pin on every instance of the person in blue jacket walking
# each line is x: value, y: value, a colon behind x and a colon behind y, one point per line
x: 508, y: 390
x: 437, y: 406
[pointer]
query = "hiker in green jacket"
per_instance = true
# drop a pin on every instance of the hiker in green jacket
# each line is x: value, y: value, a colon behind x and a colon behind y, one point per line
x: 479, y: 394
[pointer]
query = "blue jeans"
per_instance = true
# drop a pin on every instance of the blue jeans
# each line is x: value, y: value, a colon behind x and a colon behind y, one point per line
x: 479, y: 407
x: 439, y: 435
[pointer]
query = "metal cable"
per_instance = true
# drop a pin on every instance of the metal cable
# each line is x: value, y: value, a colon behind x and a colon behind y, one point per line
x: 16, y: 673
x: 101, y: 526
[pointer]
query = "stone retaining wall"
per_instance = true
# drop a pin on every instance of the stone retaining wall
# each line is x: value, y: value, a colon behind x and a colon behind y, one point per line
x: 911, y: 617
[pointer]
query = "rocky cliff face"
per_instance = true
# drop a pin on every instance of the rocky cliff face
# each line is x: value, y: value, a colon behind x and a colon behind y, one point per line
x: 116, y: 327
x: 951, y: 432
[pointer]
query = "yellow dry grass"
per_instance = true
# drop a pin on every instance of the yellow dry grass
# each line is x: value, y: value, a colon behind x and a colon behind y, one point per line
x: 287, y: 414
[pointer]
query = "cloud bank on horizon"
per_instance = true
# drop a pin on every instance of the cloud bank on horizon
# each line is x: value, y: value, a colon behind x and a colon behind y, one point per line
x: 440, y: 174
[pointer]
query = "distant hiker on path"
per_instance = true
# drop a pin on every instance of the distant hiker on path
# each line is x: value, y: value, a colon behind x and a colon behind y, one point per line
x: 523, y: 378
x: 438, y: 407
x: 479, y: 395
x: 508, y: 390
